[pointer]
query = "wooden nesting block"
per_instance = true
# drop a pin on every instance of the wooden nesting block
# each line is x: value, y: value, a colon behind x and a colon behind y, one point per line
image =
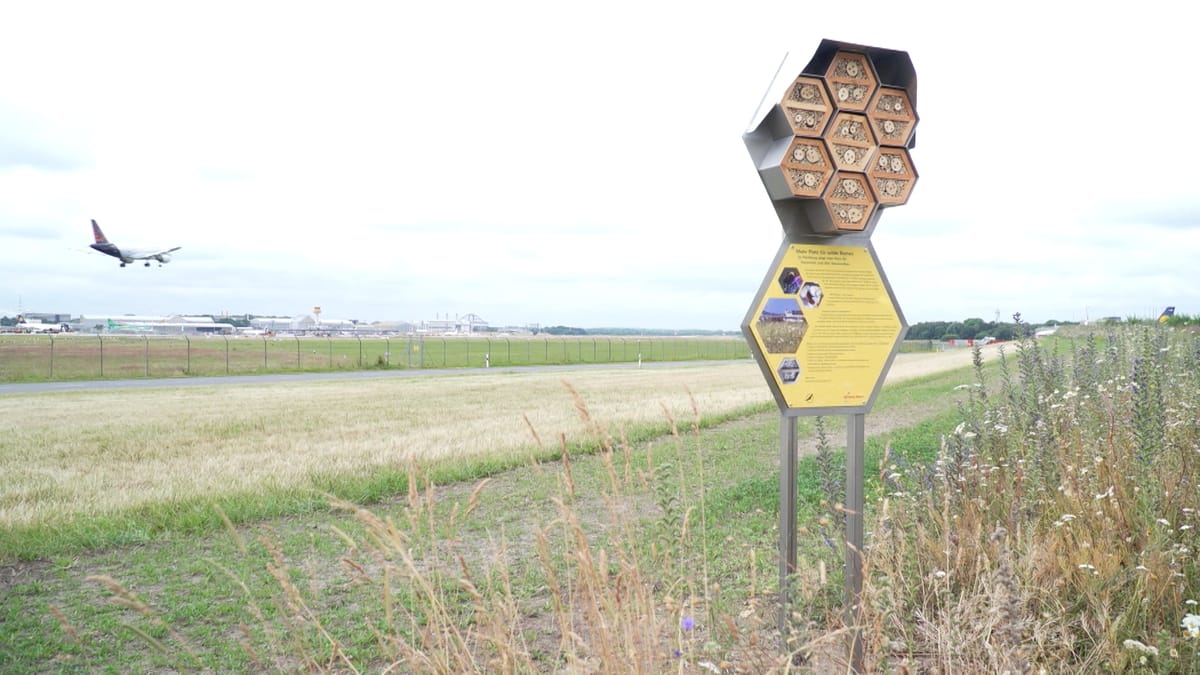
x: 807, y: 167
x: 892, y: 176
x: 848, y: 204
x: 851, y: 141
x: 851, y: 80
x: 807, y: 106
x: 892, y: 117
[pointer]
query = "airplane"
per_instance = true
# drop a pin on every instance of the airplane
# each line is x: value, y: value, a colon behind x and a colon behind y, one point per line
x: 128, y: 255
x: 26, y: 326
x: 128, y: 328
x: 1166, y: 314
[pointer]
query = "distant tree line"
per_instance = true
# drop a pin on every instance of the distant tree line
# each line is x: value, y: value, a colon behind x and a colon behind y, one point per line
x: 967, y: 329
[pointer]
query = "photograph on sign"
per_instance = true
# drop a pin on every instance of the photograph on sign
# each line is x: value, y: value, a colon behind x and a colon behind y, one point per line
x: 781, y: 325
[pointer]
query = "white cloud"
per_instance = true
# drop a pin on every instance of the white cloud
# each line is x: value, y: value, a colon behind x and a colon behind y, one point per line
x: 575, y: 164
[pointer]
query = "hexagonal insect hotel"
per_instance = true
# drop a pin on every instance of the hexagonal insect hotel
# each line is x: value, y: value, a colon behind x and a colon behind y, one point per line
x: 852, y: 110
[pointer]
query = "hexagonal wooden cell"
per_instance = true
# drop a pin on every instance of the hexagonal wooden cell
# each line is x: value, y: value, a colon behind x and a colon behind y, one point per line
x: 851, y: 79
x: 849, y: 202
x: 892, y: 117
x: 807, y: 106
x: 851, y: 141
x: 807, y: 167
x: 892, y: 176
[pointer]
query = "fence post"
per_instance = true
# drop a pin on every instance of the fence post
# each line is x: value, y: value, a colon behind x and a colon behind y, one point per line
x: 360, y: 354
x: 101, y: 339
x: 329, y: 338
x: 387, y: 351
x: 297, y: 351
x: 265, y: 367
x: 226, y: 338
x: 146, y: 339
x: 187, y: 368
x: 52, y: 357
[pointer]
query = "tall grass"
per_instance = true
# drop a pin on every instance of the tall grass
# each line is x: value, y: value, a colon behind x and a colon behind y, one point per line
x: 1057, y: 525
x: 610, y: 576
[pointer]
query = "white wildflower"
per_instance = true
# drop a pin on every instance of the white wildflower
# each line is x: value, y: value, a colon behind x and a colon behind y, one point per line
x: 1163, y: 521
x: 1191, y: 623
x: 1106, y: 493
x: 1189, y: 602
x: 1135, y: 646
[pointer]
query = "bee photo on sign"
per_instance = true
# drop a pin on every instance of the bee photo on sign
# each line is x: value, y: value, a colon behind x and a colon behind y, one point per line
x: 811, y: 294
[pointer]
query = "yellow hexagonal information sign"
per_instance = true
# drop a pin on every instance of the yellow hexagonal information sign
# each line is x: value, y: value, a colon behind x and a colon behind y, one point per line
x: 824, y: 327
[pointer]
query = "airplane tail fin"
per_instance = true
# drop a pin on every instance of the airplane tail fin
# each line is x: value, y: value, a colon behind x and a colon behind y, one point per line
x: 100, y: 238
x: 1166, y: 314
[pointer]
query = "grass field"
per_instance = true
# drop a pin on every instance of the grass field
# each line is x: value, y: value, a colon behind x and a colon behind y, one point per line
x: 137, y: 475
x: 77, y: 356
x: 1033, y: 511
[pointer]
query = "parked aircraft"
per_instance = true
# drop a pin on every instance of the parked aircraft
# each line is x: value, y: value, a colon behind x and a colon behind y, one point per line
x: 26, y: 326
x: 128, y: 328
x: 128, y: 255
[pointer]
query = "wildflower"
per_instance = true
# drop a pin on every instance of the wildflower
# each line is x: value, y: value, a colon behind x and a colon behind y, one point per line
x: 939, y: 574
x: 1191, y: 623
x: 1189, y: 602
x: 688, y: 623
x: 1163, y: 521
x: 1135, y: 646
x: 709, y: 666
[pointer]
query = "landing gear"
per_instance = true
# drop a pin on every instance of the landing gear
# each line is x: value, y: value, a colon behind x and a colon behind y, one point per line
x: 147, y: 264
x: 122, y: 264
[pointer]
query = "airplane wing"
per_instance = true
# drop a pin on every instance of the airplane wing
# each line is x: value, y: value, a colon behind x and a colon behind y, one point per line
x: 155, y: 254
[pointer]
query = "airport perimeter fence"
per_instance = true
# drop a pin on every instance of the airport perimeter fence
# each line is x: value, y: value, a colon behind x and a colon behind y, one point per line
x: 79, y: 357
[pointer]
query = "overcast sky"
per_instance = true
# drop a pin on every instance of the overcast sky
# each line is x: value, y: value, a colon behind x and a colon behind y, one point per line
x: 576, y: 163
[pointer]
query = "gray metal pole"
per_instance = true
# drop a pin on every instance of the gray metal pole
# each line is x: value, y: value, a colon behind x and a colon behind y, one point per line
x: 855, y: 441
x: 787, y: 519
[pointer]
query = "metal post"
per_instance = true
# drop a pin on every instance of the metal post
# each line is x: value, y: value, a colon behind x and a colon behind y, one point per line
x: 787, y: 517
x: 855, y: 441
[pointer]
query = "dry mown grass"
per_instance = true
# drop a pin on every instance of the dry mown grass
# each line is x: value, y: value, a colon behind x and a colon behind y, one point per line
x: 70, y: 454
x: 93, y: 453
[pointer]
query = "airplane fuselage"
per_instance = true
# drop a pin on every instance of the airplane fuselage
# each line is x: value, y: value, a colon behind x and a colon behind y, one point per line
x: 127, y: 256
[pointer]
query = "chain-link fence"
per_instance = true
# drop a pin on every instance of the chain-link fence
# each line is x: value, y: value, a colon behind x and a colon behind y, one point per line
x: 77, y: 356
